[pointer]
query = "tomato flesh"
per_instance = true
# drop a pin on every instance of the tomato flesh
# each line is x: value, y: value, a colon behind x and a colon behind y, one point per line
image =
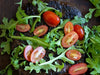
x: 68, y: 27
x: 73, y: 55
x: 23, y: 27
x: 37, y: 54
x: 40, y: 30
x: 79, y: 30
x: 78, y: 69
x: 69, y: 39
x: 51, y: 18
x: 27, y: 52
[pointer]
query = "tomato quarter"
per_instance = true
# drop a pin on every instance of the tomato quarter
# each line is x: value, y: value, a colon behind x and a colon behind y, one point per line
x: 73, y: 55
x: 27, y: 52
x: 51, y: 18
x: 68, y: 27
x: 78, y: 69
x: 79, y: 30
x: 23, y: 27
x: 37, y: 54
x: 69, y: 39
x: 40, y: 30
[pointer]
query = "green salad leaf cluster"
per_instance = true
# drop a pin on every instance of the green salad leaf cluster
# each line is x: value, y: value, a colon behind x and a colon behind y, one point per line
x: 96, y: 3
x: 51, y: 41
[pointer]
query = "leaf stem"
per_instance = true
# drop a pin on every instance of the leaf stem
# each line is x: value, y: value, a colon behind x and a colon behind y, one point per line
x: 32, y: 39
x: 59, y: 57
x: 33, y: 26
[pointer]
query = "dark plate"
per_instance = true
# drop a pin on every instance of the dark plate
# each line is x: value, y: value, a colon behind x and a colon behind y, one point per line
x: 8, y: 9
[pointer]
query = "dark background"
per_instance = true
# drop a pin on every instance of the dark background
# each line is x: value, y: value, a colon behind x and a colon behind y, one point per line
x: 8, y: 9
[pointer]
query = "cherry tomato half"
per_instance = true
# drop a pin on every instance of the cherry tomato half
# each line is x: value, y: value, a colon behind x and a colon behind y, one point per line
x: 73, y: 55
x: 78, y: 69
x: 51, y: 18
x: 23, y: 27
x: 27, y: 52
x: 69, y: 39
x: 40, y: 30
x: 79, y: 30
x: 37, y: 54
x: 68, y: 27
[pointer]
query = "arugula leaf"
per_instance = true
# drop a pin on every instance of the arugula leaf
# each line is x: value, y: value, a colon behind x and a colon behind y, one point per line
x: 8, y: 25
x: 78, y: 20
x: 49, y: 64
x: 20, y: 3
x: 54, y: 37
x: 9, y: 71
x: 15, y: 63
x: 97, y: 13
x: 96, y: 3
x: 16, y: 60
x: 6, y: 46
x: 3, y: 33
x: 17, y: 51
x: 22, y: 17
x: 38, y: 40
x: 89, y: 15
x: 39, y: 19
x: 42, y: 7
x: 91, y: 45
x: 41, y: 4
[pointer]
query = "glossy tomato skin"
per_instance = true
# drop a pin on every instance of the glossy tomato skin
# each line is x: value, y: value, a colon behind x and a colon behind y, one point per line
x: 69, y: 39
x: 23, y: 27
x: 68, y: 27
x: 51, y: 18
x: 41, y: 30
x: 37, y: 54
x: 79, y: 30
x: 27, y: 52
x: 78, y: 69
x: 73, y: 55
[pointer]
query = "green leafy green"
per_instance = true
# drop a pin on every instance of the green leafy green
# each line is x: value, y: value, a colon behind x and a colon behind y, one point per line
x: 16, y: 60
x: 96, y: 3
x: 91, y: 45
x: 33, y: 39
x: 42, y: 7
x: 7, y: 26
x: 51, y: 41
x: 9, y: 71
x: 6, y: 46
x: 49, y: 64
x: 41, y: 4
x: 55, y: 36
x: 78, y: 20
x: 89, y: 15
x: 20, y: 3
x: 22, y: 17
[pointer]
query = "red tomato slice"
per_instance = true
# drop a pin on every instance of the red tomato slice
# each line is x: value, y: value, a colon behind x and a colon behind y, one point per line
x: 68, y: 27
x: 27, y: 52
x: 73, y: 55
x: 69, y: 39
x: 23, y: 27
x: 51, y: 18
x: 40, y: 30
x: 79, y: 30
x: 78, y: 69
x: 37, y: 54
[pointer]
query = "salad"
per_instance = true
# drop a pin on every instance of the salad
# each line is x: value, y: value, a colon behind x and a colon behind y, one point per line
x: 45, y: 41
